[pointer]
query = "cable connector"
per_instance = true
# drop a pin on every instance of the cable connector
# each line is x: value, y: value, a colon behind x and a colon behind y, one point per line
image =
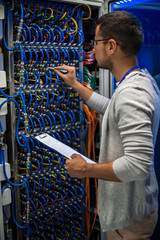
x: 19, y: 31
x: 26, y: 125
x: 21, y: 74
x: 2, y: 141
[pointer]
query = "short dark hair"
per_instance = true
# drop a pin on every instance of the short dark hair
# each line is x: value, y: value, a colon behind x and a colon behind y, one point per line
x: 124, y: 28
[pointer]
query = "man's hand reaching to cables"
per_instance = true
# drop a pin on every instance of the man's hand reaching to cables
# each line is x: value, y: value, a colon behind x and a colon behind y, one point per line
x: 70, y: 79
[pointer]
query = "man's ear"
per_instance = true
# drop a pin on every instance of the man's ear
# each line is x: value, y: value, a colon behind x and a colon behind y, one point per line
x: 112, y: 46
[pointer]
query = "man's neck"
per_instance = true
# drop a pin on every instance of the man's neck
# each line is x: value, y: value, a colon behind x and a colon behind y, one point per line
x: 119, y: 70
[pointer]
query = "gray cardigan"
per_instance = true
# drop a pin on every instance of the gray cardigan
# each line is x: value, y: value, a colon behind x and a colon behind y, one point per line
x: 129, y: 130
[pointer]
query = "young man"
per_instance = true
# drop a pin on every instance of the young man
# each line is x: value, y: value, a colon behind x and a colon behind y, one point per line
x: 127, y: 187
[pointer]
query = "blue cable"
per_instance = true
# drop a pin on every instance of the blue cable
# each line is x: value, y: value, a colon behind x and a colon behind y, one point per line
x: 49, y: 162
x: 33, y: 206
x: 36, y: 80
x: 68, y: 34
x: 53, y: 203
x: 30, y: 54
x: 13, y: 96
x: 44, y: 16
x: 71, y: 193
x: 47, y: 55
x: 53, y: 119
x: 46, y: 80
x: 64, y: 55
x: 69, y: 136
x: 71, y: 212
x: 57, y: 56
x: 73, y: 37
x: 74, y: 190
x: 46, y: 228
x: 52, y: 99
x: 81, y: 117
x: 54, y: 55
x: 36, y: 36
x: 44, y: 201
x: 65, y: 172
x: 29, y: 33
x: 18, y: 119
x: 50, y: 78
x: 50, y: 218
x: 62, y: 99
x: 52, y: 157
x: 42, y: 55
x: 39, y: 78
x: 71, y: 119
x: 43, y: 123
x: 36, y: 57
x: 13, y: 214
x: 4, y: 27
x: 39, y: 167
x: 36, y: 101
x: 75, y: 208
x: 56, y: 37
x: 74, y: 55
x: 79, y: 135
x: 50, y: 180
x: 55, y: 197
x: 61, y: 215
x: 39, y: 11
x: 45, y: 42
x: 23, y: 31
x: 40, y: 32
x: 83, y: 54
x: 64, y: 117
x: 44, y: 185
x: 67, y: 18
x: 61, y: 198
x: 57, y: 82
x: 40, y: 125
x: 65, y: 137
x: 32, y: 142
x: 32, y: 125
x: 41, y: 101
x: 52, y: 33
x: 55, y: 17
x: 62, y: 11
x: 55, y: 179
x: 34, y: 224
x: 26, y: 73
x: 37, y: 218
x: 34, y: 187
x: 61, y: 124
x: 30, y: 99
x: 49, y: 121
x: 74, y: 134
x: 34, y: 11
x: 39, y: 183
x: 80, y: 75
x: 41, y: 158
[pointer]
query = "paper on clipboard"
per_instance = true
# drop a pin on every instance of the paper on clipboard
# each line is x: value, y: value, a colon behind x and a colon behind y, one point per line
x: 60, y: 147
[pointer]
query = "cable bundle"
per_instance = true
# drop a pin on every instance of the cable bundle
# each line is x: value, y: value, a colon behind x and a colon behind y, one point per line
x: 92, y: 119
x: 89, y: 54
x: 52, y: 204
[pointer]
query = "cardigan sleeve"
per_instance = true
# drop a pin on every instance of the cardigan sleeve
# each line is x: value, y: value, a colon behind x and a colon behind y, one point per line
x: 134, y: 109
x: 98, y: 102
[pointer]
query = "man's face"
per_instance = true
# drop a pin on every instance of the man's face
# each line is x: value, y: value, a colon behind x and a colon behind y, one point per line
x: 100, y: 49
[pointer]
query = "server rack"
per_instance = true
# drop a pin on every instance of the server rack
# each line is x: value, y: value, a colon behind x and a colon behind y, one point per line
x: 43, y: 202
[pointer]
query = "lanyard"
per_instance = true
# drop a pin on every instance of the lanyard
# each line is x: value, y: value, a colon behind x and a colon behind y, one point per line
x: 130, y: 70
